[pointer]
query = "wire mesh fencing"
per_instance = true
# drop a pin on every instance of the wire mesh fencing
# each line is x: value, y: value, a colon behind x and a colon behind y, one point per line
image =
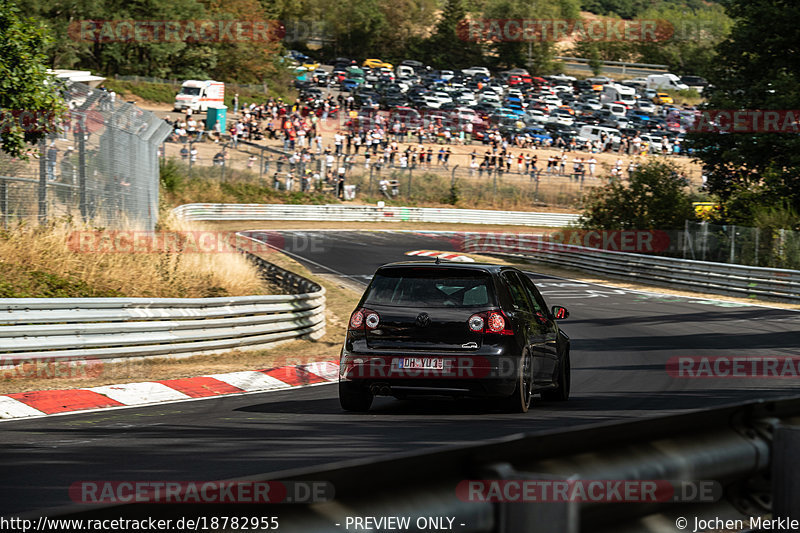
x: 102, y: 166
x: 514, y: 185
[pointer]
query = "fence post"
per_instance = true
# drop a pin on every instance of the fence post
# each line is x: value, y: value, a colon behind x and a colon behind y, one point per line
x: 755, y: 254
x: 81, y: 138
x: 733, y: 244
x: 44, y: 162
x: 4, y: 202
x: 705, y: 239
x: 685, y: 236
x: 371, y: 168
x: 190, y: 160
x: 410, y: 172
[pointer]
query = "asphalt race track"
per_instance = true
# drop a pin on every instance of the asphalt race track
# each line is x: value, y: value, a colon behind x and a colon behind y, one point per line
x: 621, y: 341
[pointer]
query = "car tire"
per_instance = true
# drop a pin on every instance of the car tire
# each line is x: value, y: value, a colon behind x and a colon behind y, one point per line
x: 354, y: 399
x: 522, y: 397
x: 561, y: 394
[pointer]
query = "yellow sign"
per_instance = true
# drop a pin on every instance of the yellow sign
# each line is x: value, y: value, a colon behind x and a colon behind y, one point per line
x: 704, y: 210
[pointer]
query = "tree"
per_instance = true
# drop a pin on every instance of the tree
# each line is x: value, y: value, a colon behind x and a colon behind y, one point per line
x: 693, y: 34
x: 449, y: 47
x: 757, y: 68
x: 26, y: 90
x: 655, y: 198
x: 537, y: 54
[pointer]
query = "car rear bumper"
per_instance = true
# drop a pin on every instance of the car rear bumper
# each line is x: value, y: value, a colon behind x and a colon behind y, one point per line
x: 461, y: 375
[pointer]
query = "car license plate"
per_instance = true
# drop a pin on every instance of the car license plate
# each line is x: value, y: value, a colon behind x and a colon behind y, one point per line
x: 423, y: 363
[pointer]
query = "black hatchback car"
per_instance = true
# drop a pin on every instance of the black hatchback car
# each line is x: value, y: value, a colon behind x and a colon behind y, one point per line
x: 453, y: 329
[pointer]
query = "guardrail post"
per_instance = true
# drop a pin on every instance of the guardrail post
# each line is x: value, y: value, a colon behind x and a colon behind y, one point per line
x: 533, y: 517
x: 786, y: 472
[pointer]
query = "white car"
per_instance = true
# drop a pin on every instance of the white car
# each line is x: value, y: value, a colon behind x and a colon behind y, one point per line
x: 551, y: 100
x: 562, y: 78
x: 490, y: 96
x: 593, y: 104
x: 446, y: 75
x: 562, y: 89
x: 560, y: 116
x: 476, y: 71
x: 536, y: 115
x: 467, y: 99
x: 654, y: 143
x: 646, y: 105
x: 443, y: 97
x: 431, y: 101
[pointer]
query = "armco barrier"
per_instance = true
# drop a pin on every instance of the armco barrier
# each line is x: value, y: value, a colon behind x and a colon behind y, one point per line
x: 108, y: 328
x: 367, y: 213
x: 718, y: 278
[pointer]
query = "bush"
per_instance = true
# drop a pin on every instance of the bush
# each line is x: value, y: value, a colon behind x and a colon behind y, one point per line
x: 655, y: 198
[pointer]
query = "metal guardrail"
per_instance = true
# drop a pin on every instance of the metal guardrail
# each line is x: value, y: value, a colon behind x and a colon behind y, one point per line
x: 719, y: 278
x: 616, y: 63
x: 747, y: 450
x: 109, y: 328
x: 366, y: 213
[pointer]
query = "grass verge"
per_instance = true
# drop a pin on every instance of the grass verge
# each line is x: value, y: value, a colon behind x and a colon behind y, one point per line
x: 81, y: 261
x: 340, y: 302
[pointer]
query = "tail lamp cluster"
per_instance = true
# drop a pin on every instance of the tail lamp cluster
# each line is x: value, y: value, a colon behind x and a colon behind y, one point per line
x: 489, y: 322
x: 362, y: 318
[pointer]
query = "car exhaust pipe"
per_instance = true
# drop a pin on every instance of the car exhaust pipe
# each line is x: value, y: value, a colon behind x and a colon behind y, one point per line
x: 380, y: 389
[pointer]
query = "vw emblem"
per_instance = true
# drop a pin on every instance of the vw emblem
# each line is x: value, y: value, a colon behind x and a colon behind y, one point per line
x: 423, y: 320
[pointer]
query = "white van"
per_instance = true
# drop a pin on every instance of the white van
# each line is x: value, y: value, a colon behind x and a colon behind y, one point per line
x: 665, y: 81
x: 199, y: 95
x: 591, y: 133
x: 614, y: 92
x: 618, y: 110
x: 404, y: 71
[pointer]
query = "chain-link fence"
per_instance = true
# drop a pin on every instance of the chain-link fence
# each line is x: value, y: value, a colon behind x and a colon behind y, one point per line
x: 766, y: 247
x: 102, y: 166
x: 514, y: 185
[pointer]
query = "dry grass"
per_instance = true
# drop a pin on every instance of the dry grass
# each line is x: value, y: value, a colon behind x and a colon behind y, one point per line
x: 67, y: 260
x: 340, y: 302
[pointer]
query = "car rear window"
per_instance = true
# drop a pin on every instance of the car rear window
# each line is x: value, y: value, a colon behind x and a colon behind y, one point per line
x: 426, y: 287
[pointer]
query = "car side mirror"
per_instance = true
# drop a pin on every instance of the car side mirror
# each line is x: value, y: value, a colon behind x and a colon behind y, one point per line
x: 560, y: 313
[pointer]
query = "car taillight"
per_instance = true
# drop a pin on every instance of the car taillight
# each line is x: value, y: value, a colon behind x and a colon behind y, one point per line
x: 372, y: 320
x: 364, y: 317
x: 357, y: 320
x: 496, y: 322
x: 489, y: 322
x: 476, y: 323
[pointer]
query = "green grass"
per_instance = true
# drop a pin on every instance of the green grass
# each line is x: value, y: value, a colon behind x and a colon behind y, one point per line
x: 153, y: 92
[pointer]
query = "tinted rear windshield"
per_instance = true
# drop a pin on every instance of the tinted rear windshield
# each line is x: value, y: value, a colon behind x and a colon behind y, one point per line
x: 427, y: 287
